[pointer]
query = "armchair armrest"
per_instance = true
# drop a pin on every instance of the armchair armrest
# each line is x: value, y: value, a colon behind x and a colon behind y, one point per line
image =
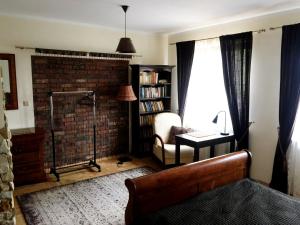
x: 162, y: 146
x: 159, y: 138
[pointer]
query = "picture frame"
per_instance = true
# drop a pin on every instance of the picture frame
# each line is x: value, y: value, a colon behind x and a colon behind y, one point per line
x: 8, y: 71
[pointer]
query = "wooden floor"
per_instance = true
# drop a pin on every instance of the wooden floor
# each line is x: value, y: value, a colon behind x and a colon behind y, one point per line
x: 108, y: 166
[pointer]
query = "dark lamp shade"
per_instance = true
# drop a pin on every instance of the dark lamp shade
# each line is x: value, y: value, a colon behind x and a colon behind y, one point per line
x: 215, y: 120
x: 126, y: 94
x: 125, y: 46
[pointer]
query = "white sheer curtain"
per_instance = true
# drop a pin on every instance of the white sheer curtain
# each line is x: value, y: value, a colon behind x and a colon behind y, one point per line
x: 206, y: 92
x: 293, y: 157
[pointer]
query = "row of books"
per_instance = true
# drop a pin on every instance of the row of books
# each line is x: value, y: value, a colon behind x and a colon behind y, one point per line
x: 148, y: 77
x: 151, y: 106
x: 146, y: 120
x: 147, y: 132
x: 153, y: 92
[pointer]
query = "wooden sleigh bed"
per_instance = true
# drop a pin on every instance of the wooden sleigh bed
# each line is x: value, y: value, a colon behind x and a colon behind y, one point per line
x: 213, y: 191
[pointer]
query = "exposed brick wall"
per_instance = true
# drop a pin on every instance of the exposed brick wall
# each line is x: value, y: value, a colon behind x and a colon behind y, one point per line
x: 73, y: 121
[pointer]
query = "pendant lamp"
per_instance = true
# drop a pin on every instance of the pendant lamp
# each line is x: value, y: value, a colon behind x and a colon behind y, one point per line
x: 125, y: 45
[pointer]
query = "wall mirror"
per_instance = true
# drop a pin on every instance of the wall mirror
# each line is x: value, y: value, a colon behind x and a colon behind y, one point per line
x: 8, y: 72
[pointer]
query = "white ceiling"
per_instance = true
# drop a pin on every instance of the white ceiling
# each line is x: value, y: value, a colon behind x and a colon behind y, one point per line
x: 159, y: 16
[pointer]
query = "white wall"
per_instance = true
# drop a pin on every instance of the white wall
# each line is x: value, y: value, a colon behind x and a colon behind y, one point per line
x: 264, y: 102
x: 265, y: 78
x: 58, y: 35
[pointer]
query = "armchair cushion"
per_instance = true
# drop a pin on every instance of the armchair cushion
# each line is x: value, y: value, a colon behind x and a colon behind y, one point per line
x: 175, y: 131
x: 163, y: 123
x: 186, y: 153
x: 162, y: 149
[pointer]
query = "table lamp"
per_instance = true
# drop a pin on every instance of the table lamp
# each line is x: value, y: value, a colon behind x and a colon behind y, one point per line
x: 215, y: 120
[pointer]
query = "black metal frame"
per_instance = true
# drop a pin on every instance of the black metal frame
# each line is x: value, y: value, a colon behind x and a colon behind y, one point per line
x: 92, y: 162
x: 197, y: 143
x: 162, y: 147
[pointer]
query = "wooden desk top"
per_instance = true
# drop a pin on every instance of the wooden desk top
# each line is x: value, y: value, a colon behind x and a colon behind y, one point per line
x: 205, y: 138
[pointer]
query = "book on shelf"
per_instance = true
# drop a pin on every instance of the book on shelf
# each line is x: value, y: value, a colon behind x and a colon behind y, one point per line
x: 147, y: 120
x: 163, y: 81
x: 148, y: 77
x: 146, y: 132
x: 153, y: 92
x: 151, y: 106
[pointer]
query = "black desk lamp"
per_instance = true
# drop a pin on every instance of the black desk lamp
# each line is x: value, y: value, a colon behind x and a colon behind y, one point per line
x: 215, y: 120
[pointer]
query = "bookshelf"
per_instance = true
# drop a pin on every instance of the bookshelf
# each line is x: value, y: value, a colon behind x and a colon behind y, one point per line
x: 152, y: 85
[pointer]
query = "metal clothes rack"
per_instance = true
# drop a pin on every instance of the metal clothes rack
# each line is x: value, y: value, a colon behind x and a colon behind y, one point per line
x: 92, y: 162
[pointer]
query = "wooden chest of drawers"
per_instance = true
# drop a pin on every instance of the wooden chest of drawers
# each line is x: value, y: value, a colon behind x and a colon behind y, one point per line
x: 28, y: 155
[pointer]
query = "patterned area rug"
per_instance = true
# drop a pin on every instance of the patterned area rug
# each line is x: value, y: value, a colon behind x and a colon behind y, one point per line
x: 97, y: 201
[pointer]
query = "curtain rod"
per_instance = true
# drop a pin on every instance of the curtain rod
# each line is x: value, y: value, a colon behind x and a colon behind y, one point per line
x: 203, y: 39
x: 111, y: 53
x: 279, y: 27
x: 275, y: 28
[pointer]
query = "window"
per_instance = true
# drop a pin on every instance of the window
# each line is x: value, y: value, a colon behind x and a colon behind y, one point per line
x: 293, y: 156
x: 296, y: 132
x: 206, y: 94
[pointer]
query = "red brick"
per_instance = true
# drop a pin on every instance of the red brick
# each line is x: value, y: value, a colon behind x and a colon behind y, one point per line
x: 69, y: 74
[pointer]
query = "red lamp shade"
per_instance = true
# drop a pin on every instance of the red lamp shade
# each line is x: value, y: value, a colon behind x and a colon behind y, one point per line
x: 126, y: 93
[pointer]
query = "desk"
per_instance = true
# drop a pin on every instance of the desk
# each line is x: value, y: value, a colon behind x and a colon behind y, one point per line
x: 200, y: 142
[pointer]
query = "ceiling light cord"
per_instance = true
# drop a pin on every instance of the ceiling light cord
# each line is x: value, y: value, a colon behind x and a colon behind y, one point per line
x: 125, y: 23
x: 125, y: 7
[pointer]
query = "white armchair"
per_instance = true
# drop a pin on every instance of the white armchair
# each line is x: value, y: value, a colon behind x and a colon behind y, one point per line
x: 162, y: 150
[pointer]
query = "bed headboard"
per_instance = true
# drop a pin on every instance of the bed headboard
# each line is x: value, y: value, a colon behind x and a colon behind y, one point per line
x: 158, y: 190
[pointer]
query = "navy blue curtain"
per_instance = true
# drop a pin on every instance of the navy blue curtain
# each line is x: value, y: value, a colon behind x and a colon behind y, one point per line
x: 185, y: 56
x: 288, y: 102
x: 236, y: 52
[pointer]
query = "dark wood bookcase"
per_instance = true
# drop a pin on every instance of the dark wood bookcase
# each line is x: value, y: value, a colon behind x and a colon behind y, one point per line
x: 152, y: 85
